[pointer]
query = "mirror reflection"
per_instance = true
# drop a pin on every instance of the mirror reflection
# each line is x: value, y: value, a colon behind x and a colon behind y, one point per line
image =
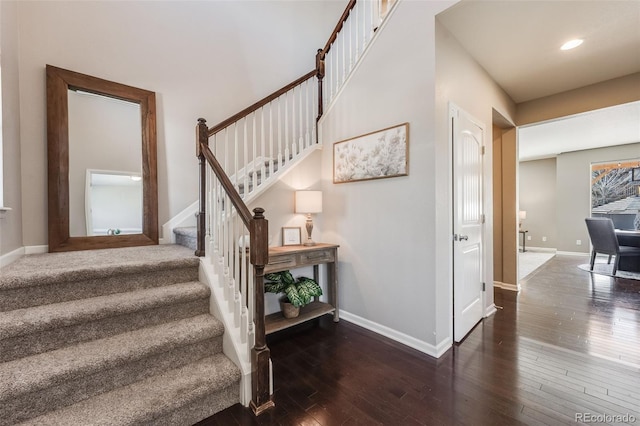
x: 104, y: 153
x: 113, y: 203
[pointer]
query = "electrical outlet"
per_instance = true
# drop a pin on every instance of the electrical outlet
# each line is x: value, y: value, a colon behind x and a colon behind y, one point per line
x: 528, y: 237
x: 544, y: 238
x: 578, y: 242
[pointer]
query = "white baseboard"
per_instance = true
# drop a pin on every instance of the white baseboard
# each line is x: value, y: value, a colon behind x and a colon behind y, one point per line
x: 490, y: 310
x: 573, y: 253
x: 542, y: 249
x: 11, y: 257
x: 36, y: 249
x: 405, y: 339
x: 507, y: 286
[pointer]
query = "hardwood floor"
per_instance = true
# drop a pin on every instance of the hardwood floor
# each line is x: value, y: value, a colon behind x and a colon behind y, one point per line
x: 566, y: 347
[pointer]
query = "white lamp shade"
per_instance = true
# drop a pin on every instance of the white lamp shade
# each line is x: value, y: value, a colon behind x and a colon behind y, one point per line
x: 308, y: 202
x: 522, y: 214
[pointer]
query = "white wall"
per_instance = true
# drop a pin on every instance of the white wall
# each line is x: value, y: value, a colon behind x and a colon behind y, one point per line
x: 386, y: 228
x: 462, y: 81
x: 203, y: 59
x: 11, y: 225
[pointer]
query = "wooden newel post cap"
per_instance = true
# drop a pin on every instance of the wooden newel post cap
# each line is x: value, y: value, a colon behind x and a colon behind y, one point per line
x: 258, y: 213
x: 202, y: 121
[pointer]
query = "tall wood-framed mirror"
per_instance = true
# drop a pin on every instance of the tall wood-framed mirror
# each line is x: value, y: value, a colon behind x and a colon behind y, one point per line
x: 95, y: 124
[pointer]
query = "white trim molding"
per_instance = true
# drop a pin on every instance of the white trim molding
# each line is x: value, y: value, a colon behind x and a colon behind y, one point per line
x: 572, y: 253
x: 185, y: 218
x: 490, y: 310
x: 427, y: 348
x: 507, y: 286
x: 542, y: 249
x: 3, y: 211
x: 11, y: 257
x: 36, y: 249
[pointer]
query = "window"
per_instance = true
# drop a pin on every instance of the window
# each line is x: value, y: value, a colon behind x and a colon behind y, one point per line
x: 615, y: 192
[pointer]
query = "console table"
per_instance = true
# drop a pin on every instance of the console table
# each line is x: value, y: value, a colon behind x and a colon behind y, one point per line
x: 290, y: 257
x: 524, y: 239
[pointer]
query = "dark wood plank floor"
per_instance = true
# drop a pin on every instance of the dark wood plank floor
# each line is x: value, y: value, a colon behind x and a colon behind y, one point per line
x: 567, y: 345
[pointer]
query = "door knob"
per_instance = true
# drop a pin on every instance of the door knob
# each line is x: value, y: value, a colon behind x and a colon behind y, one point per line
x: 457, y: 237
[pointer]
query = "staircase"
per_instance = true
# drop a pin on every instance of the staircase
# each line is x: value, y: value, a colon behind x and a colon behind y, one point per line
x: 110, y: 337
x: 240, y: 158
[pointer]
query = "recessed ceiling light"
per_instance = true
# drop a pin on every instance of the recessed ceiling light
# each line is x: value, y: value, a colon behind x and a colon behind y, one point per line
x: 571, y: 44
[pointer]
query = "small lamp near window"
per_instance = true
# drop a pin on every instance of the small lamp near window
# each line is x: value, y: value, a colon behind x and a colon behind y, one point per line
x: 522, y: 215
x: 308, y: 202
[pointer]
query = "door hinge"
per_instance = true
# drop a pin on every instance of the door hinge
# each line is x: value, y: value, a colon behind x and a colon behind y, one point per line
x: 484, y: 286
x: 482, y: 218
x: 482, y: 151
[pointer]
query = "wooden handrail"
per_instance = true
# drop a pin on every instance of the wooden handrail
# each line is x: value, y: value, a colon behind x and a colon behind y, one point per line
x: 220, y: 126
x: 228, y: 187
x: 343, y: 18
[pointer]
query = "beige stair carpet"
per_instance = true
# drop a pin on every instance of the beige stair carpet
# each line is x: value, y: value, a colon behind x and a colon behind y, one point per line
x: 110, y: 337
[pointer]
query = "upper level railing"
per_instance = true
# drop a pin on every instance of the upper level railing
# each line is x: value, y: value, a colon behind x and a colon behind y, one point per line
x: 345, y: 46
x: 246, y: 152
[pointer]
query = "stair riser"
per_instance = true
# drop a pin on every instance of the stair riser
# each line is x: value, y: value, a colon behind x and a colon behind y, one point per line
x: 34, y: 343
x: 61, y: 292
x: 79, y: 386
x: 186, y: 241
x: 200, y: 409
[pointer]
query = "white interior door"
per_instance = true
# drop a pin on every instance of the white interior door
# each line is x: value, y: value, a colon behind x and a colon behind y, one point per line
x: 467, y: 224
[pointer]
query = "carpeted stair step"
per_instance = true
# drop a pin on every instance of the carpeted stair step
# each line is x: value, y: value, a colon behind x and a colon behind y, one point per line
x: 182, y: 396
x: 31, y: 386
x: 33, y: 330
x: 57, y: 277
x: 186, y: 236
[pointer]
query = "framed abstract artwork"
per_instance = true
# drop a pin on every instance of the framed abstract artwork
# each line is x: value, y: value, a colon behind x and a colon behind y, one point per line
x: 376, y: 155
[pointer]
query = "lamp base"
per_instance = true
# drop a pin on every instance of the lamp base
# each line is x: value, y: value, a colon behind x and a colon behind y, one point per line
x: 309, y: 226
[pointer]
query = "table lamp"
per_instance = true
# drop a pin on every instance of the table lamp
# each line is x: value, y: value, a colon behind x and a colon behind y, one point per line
x: 308, y: 202
x: 522, y: 215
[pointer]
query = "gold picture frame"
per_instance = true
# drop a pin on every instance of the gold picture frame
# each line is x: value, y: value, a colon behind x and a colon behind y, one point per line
x: 291, y: 236
x: 376, y: 155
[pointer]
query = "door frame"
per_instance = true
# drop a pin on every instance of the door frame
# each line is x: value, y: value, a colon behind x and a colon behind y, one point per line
x: 452, y: 111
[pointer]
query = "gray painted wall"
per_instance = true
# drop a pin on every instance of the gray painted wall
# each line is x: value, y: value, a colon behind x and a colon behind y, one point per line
x: 556, y: 193
x: 11, y: 225
x: 538, y: 198
x: 574, y: 191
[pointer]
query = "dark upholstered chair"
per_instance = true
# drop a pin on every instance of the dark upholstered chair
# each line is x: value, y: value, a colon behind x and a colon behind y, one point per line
x: 604, y: 241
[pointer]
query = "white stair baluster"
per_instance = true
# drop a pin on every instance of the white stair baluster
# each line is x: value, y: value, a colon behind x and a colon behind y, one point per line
x: 245, y: 160
x: 263, y: 170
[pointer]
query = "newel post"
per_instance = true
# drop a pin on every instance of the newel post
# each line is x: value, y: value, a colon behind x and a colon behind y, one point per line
x: 320, y: 75
x: 202, y: 138
x: 260, y: 355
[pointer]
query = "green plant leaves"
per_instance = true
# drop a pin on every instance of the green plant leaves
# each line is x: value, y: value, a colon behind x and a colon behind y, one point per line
x: 294, y: 297
x: 274, y: 287
x: 300, y: 292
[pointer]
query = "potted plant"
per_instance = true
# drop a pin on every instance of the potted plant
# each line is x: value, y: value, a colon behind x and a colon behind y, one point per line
x: 297, y: 292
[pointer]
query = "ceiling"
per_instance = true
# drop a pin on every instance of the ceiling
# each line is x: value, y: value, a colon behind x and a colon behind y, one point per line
x: 605, y: 127
x: 518, y: 44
